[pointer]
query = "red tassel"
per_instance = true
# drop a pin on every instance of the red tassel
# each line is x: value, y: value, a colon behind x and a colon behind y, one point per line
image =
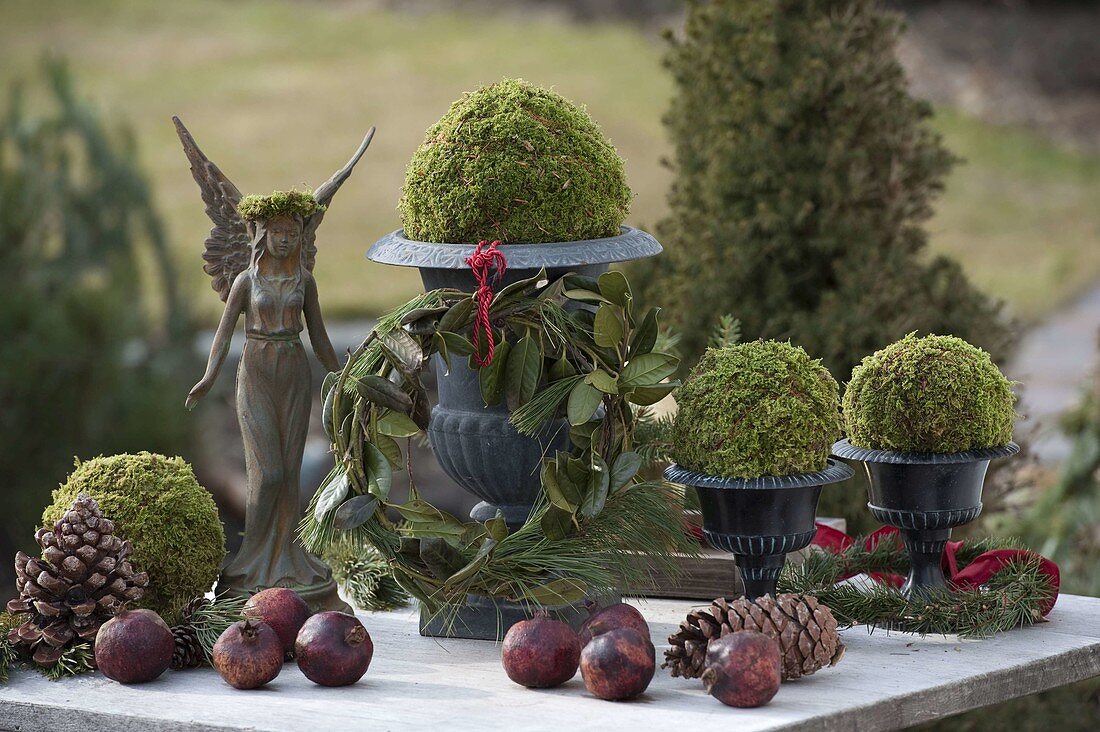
x: 485, y: 257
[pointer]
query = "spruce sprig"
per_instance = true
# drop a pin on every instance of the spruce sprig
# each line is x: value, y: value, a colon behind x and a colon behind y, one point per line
x: 1013, y: 597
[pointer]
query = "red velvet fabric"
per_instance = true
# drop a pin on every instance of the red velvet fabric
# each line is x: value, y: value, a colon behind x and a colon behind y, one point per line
x: 972, y: 576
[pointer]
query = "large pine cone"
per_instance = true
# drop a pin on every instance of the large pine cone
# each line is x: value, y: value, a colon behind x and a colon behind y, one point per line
x: 805, y: 629
x: 79, y: 583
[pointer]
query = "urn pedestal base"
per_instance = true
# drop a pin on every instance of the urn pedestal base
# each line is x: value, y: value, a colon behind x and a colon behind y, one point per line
x: 320, y: 596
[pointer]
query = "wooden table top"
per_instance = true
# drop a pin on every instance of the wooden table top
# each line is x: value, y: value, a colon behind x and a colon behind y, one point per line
x: 885, y: 681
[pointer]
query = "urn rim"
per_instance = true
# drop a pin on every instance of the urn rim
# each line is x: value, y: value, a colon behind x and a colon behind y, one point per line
x: 845, y: 449
x: 834, y: 472
x: 396, y: 249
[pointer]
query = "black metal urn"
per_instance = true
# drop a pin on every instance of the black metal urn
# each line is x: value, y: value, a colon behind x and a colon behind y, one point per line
x: 760, y: 520
x: 925, y: 495
x: 476, y: 445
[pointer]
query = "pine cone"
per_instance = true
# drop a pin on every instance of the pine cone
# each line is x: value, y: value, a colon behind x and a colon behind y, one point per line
x: 805, y: 629
x: 189, y: 652
x: 81, y: 581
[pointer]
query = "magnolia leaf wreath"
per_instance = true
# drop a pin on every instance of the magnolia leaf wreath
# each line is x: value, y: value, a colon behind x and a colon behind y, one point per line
x: 572, y: 347
x: 996, y: 585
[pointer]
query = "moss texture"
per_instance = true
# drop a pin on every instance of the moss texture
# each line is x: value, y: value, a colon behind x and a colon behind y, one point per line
x: 931, y: 394
x: 758, y: 408
x: 518, y: 163
x: 158, y: 505
x: 279, y: 203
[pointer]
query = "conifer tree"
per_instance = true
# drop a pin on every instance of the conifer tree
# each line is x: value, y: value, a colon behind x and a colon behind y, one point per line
x: 804, y: 174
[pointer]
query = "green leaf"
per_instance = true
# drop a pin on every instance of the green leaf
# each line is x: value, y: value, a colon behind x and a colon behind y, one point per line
x: 623, y: 468
x: 648, y: 369
x: 646, y: 335
x: 643, y: 396
x: 442, y: 559
x: 396, y: 424
x: 584, y: 296
x: 603, y: 381
x: 614, y: 287
x: 484, y: 552
x: 558, y: 592
x: 419, y: 511
x: 583, y: 402
x: 326, y: 411
x: 379, y: 472
x: 607, y: 330
x: 491, y: 377
x: 354, y: 512
x: 557, y: 523
x: 598, y: 483
x: 383, y: 392
x: 423, y: 321
x: 581, y: 435
x: 457, y: 344
x: 391, y: 450
x: 497, y: 528
x: 458, y: 316
x: 561, y: 369
x: 516, y: 290
x: 574, y: 281
x: 440, y: 346
x: 562, y: 493
x: 332, y: 494
x: 403, y: 351
x: 521, y: 378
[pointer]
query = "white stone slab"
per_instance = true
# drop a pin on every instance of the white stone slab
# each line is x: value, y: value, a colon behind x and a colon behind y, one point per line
x: 885, y: 681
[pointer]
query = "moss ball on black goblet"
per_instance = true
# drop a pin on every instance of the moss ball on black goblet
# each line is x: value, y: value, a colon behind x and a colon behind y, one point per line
x: 752, y: 435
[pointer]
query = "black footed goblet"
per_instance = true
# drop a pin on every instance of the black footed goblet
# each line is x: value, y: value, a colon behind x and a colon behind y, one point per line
x: 925, y: 495
x: 760, y: 520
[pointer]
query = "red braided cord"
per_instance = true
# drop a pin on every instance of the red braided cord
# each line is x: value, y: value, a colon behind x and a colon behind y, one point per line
x: 484, y: 258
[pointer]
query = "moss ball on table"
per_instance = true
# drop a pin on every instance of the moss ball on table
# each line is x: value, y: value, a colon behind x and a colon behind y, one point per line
x: 755, y: 409
x: 936, y: 394
x: 158, y: 505
x: 514, y: 162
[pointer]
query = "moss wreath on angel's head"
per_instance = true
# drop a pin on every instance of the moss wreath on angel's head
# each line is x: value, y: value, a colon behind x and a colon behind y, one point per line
x: 936, y: 394
x: 158, y: 505
x: 514, y: 162
x: 755, y: 409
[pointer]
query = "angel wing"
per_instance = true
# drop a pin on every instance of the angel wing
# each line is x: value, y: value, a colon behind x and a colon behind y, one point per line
x: 323, y: 195
x: 227, y: 247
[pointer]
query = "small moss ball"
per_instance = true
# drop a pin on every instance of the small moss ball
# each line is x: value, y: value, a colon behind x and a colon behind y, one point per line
x: 932, y: 394
x: 518, y: 163
x: 157, y: 504
x: 754, y: 409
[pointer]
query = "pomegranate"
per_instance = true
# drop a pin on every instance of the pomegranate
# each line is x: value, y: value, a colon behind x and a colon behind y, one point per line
x: 618, y: 664
x: 281, y: 608
x: 540, y: 652
x: 134, y: 646
x: 334, y: 649
x: 743, y: 669
x: 248, y: 654
x: 618, y: 615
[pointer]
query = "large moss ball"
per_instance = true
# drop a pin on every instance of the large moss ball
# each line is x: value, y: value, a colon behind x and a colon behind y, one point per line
x: 157, y: 504
x: 933, y: 394
x: 755, y: 409
x: 518, y: 163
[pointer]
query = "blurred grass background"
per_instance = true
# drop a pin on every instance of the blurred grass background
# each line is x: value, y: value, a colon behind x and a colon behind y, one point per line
x: 278, y: 94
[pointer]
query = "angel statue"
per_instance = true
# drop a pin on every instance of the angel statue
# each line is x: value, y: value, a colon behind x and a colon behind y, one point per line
x: 260, y: 254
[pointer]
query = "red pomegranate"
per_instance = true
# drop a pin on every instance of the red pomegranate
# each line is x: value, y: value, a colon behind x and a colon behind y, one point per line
x: 618, y: 664
x: 540, y: 652
x: 134, y: 646
x: 333, y: 649
x: 281, y: 608
x: 248, y: 654
x: 618, y: 615
x: 743, y: 669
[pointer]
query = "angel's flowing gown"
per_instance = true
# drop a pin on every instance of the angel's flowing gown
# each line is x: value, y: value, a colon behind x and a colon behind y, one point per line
x: 273, y: 406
